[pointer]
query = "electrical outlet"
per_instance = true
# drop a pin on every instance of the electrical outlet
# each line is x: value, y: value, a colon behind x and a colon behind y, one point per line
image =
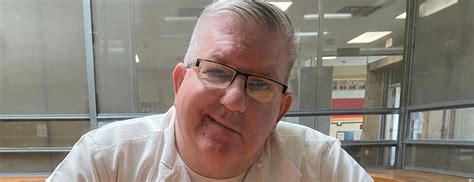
x: 41, y: 130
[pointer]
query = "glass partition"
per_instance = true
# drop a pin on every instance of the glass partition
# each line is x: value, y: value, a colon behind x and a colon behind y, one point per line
x: 352, y: 127
x: 441, y: 158
x: 449, y: 124
x: 372, y: 156
x: 358, y: 62
x: 42, y: 67
x: 302, y: 80
x: 443, y: 56
x: 135, y: 58
x: 440, y: 89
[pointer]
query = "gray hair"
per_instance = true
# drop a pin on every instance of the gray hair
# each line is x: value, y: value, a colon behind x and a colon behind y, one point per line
x: 265, y: 15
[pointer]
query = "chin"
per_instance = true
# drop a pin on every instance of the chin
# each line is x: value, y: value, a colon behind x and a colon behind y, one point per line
x: 219, y: 152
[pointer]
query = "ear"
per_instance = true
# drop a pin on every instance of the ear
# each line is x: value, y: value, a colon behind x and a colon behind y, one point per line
x: 178, y: 76
x: 285, y: 105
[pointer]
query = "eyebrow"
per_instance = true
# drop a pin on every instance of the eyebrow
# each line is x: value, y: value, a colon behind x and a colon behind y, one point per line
x: 217, y: 58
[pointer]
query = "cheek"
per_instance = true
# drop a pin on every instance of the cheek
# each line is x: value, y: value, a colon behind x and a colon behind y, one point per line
x: 189, y: 89
x: 189, y: 110
x: 192, y: 99
x: 271, y: 112
x: 262, y: 121
x: 184, y: 102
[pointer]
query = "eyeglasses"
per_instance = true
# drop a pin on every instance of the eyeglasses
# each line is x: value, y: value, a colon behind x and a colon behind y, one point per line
x: 218, y: 75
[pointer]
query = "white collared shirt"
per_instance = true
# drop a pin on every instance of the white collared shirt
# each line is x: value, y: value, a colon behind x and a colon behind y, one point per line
x: 195, y: 177
x: 143, y: 149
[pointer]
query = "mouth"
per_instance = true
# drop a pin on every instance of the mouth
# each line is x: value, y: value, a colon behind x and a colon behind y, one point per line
x: 215, y: 122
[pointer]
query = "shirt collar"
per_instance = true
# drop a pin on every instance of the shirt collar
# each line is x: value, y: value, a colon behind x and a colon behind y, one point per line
x: 170, y: 168
x: 273, y: 165
x: 169, y: 149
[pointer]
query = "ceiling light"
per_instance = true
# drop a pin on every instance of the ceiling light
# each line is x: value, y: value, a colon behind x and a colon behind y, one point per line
x: 368, y: 37
x: 329, y: 57
x: 389, y: 42
x: 137, y: 60
x: 308, y: 34
x: 432, y: 6
x: 402, y: 16
x: 328, y: 16
x: 282, y: 5
x: 180, y: 18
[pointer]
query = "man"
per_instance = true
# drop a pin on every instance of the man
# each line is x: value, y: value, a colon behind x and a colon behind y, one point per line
x: 230, y: 97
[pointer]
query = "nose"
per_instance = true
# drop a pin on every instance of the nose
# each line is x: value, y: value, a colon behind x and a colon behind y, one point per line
x: 234, y: 97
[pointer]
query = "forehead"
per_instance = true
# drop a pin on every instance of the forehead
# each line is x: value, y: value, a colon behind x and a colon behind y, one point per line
x: 241, y: 44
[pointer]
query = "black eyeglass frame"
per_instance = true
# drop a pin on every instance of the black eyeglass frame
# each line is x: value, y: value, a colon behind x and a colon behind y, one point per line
x: 237, y: 72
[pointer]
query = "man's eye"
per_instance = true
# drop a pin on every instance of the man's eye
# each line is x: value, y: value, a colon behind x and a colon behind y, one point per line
x: 216, y: 73
x: 258, y: 85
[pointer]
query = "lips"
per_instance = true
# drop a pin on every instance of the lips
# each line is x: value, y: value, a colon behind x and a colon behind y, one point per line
x: 220, y: 124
